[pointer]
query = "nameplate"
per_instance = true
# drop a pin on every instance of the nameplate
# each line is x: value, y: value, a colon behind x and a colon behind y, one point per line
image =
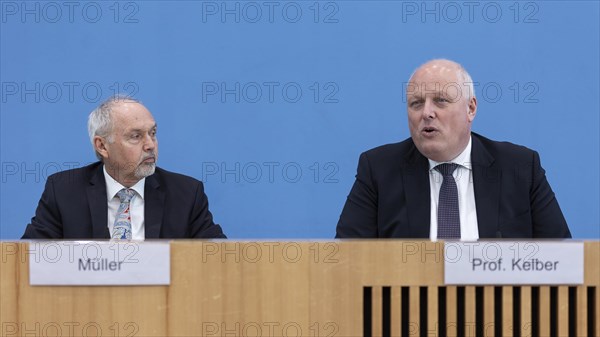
x: 88, y: 263
x: 516, y: 262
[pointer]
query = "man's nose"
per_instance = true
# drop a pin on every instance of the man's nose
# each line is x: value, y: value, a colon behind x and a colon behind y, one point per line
x: 429, y: 109
x: 149, y: 143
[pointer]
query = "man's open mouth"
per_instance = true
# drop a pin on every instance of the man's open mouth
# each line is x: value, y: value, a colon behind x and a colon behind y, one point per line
x: 429, y: 130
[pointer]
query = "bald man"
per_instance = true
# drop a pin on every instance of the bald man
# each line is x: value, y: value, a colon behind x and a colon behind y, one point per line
x: 123, y: 196
x: 446, y: 182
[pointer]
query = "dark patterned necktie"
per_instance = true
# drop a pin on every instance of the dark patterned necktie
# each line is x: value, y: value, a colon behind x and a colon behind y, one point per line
x: 448, y: 216
x: 122, y: 227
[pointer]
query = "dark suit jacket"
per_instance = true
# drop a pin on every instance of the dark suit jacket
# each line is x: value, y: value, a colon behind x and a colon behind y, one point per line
x: 391, y: 195
x: 74, y: 206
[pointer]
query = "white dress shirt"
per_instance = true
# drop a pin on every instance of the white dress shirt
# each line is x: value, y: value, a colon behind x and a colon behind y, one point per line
x: 136, y: 205
x: 463, y: 175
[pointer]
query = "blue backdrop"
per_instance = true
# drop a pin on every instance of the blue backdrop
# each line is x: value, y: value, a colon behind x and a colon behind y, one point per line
x: 271, y: 103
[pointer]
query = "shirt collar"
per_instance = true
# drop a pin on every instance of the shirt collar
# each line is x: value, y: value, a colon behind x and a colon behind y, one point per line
x: 113, y: 186
x: 463, y: 159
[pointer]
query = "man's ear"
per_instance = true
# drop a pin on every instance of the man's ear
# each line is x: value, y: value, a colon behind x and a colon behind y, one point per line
x: 100, y: 146
x: 472, y: 109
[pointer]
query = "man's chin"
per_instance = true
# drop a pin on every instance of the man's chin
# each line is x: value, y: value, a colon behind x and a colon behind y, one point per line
x: 432, y: 151
x: 145, y: 170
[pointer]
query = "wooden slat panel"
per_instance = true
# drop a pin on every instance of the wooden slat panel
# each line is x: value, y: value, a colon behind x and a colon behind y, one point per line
x: 582, y: 313
x: 592, y: 276
x: 597, y: 310
x: 507, y: 311
x: 414, y: 314
x: 377, y: 312
x: 396, y: 310
x: 544, y: 317
x: 432, y: 310
x: 470, y: 318
x: 563, y: 311
x: 488, y: 312
x: 451, y: 318
x: 526, y: 328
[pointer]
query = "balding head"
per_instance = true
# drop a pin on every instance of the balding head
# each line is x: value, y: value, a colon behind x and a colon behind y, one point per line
x: 447, y: 67
x: 441, y: 108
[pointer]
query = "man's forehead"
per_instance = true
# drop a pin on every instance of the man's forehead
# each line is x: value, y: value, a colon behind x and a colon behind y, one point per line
x: 439, y: 88
x: 130, y: 115
x: 130, y: 110
x: 435, y: 79
x: 138, y: 126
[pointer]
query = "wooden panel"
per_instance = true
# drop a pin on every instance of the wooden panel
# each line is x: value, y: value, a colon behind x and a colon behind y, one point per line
x: 88, y: 310
x: 470, y: 320
x: 526, y: 328
x: 563, y: 311
x: 246, y: 286
x: 209, y: 289
x: 451, y: 318
x: 591, y: 265
x: 413, y: 309
x: 396, y: 310
x: 488, y: 312
x: 507, y: 311
x: 279, y: 288
x: 544, y: 316
x: 9, y: 263
x: 336, y: 295
x: 432, y: 311
x: 393, y: 262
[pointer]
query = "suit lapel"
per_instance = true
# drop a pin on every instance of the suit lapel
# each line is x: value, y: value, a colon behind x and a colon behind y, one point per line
x: 154, y: 200
x: 96, y: 195
x: 486, y: 180
x: 415, y: 176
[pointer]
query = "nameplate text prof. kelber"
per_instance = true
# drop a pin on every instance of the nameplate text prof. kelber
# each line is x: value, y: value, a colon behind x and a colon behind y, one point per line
x: 516, y: 262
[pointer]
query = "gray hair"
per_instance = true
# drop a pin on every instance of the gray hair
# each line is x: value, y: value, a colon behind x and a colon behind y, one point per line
x: 467, y: 80
x: 100, y: 122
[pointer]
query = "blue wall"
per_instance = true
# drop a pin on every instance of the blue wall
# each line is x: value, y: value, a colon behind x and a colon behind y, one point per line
x: 271, y: 103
